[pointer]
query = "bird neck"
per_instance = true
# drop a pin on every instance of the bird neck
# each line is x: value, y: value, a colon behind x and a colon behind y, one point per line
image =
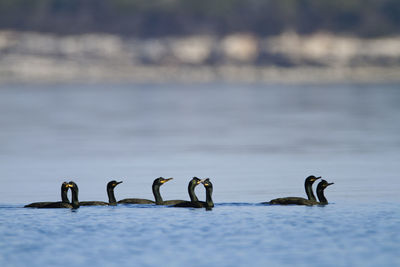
x: 111, y: 196
x: 192, y: 194
x: 321, y: 196
x: 75, y: 201
x: 309, y: 192
x: 209, y: 201
x: 157, y: 195
x: 64, y: 195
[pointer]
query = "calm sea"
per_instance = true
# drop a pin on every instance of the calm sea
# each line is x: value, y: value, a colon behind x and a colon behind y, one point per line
x: 255, y: 142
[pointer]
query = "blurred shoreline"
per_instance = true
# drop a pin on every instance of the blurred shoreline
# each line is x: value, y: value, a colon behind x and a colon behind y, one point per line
x: 29, y: 57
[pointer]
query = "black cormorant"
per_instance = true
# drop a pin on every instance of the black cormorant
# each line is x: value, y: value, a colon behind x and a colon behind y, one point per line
x: 157, y: 196
x: 209, y: 189
x: 156, y: 191
x: 194, y: 201
x: 298, y: 200
x: 111, y: 198
x: 320, y: 192
x: 74, y: 203
x: 64, y: 198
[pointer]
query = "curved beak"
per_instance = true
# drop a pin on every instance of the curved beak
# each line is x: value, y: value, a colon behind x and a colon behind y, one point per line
x: 330, y: 184
x: 319, y: 177
x: 119, y: 182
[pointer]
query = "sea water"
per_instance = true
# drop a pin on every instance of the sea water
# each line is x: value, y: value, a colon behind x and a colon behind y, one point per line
x: 255, y: 142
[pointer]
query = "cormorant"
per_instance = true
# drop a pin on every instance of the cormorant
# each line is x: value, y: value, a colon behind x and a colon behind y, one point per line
x: 194, y: 201
x: 320, y: 192
x: 111, y: 198
x: 64, y: 198
x: 157, y: 196
x: 298, y: 200
x: 74, y: 204
x: 156, y: 191
x: 209, y: 189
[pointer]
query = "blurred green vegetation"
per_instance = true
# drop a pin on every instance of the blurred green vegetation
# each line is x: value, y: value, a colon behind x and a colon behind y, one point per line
x: 149, y: 18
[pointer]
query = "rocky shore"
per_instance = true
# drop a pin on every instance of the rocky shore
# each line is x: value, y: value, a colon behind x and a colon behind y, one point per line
x: 287, y: 58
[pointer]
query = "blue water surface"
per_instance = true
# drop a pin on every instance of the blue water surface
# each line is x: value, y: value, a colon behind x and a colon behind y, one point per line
x: 229, y: 235
x: 255, y: 142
